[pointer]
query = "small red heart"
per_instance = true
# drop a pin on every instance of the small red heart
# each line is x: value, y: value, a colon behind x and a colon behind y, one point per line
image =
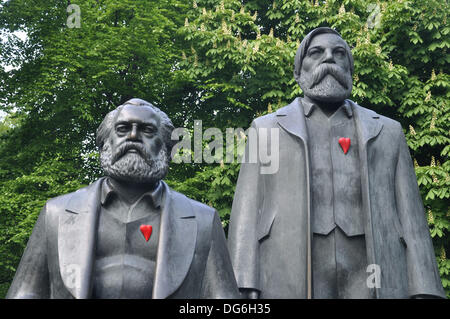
x: 345, y: 144
x: 146, y: 230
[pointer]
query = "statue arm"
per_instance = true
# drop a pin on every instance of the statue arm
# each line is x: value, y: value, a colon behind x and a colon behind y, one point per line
x: 219, y: 281
x: 242, y: 234
x: 423, y: 274
x: 31, y: 280
x: 248, y: 293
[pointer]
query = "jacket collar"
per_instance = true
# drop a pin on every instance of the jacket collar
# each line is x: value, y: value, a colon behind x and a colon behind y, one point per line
x: 76, y: 239
x: 177, y: 241
x: 309, y: 108
x: 77, y: 236
x: 292, y: 119
x: 367, y: 122
x: 108, y: 191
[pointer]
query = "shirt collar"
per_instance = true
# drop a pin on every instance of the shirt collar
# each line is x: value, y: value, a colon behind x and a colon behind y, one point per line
x: 308, y: 108
x: 108, y: 192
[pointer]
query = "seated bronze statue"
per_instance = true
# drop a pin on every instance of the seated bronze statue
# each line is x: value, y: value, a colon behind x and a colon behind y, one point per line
x: 127, y: 235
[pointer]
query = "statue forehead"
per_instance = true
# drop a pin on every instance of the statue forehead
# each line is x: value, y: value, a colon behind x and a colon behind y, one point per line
x: 327, y: 40
x: 134, y: 113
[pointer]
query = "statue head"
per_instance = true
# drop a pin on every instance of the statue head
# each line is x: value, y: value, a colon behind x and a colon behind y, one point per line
x: 134, y: 142
x: 323, y: 66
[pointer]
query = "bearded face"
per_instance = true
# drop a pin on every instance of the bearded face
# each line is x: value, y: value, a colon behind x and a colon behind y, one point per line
x: 132, y: 163
x: 325, y: 73
x: 134, y: 151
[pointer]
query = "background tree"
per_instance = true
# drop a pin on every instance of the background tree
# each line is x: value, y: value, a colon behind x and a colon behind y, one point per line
x: 224, y: 62
x: 64, y: 80
x: 239, y: 58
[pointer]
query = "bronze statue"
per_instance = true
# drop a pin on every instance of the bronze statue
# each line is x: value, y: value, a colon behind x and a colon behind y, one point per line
x: 127, y: 235
x: 342, y: 217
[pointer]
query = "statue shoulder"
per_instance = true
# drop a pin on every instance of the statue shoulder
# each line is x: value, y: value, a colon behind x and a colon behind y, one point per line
x: 387, y: 122
x: 197, y: 206
x: 59, y: 203
x: 271, y: 119
x: 268, y: 120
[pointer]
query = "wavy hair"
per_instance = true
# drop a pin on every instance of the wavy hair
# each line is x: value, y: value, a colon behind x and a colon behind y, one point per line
x: 107, y: 124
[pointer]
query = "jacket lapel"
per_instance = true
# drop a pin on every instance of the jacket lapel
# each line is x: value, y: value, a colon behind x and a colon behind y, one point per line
x: 292, y: 119
x: 76, y: 239
x: 177, y: 240
x: 367, y: 123
x: 368, y: 127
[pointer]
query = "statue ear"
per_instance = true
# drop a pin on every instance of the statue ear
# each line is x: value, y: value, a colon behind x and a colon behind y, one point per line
x: 297, y: 66
x: 297, y: 76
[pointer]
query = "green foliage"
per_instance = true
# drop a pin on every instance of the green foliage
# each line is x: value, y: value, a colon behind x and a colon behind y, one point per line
x: 63, y: 82
x: 22, y: 199
x: 224, y: 62
x: 213, y: 186
x: 240, y: 61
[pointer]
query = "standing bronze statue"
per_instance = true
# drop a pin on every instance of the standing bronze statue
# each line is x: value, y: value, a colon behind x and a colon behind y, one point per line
x: 342, y: 217
x: 127, y: 235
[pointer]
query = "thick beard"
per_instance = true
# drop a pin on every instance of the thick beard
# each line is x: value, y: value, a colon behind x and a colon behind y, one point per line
x: 326, y: 88
x: 132, y: 167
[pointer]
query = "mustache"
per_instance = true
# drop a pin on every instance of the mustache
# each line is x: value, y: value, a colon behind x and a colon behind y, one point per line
x: 332, y: 69
x: 125, y: 147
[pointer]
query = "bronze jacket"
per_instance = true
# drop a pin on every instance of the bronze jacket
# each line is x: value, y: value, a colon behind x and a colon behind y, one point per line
x: 192, y: 259
x: 270, y: 228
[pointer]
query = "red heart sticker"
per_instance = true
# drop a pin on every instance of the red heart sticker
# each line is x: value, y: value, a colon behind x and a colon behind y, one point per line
x: 146, y: 230
x: 345, y: 144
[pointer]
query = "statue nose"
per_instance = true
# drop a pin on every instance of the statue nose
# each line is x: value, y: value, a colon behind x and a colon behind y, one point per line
x: 328, y: 58
x: 134, y: 133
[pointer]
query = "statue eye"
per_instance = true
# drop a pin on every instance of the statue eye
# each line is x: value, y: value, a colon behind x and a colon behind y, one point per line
x: 148, y: 129
x: 314, y: 52
x: 122, y: 128
x: 339, y: 52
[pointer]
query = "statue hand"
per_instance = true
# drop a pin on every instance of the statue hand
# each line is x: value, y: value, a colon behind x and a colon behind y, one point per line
x: 249, y: 293
x: 425, y: 297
